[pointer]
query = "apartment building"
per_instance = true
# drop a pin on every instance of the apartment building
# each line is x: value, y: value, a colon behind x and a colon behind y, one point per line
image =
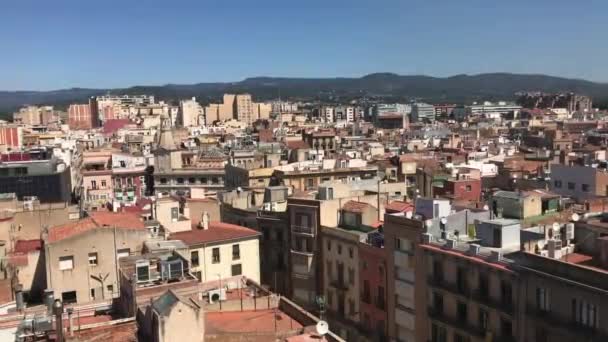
x: 471, y: 293
x: 340, y: 260
x: 80, y: 117
x: 47, y: 179
x: 11, y: 136
x: 220, y: 250
x: 309, y: 175
x: 563, y: 301
x: 192, y: 113
x: 422, y: 112
x: 373, y: 279
x: 578, y: 182
x: 81, y: 257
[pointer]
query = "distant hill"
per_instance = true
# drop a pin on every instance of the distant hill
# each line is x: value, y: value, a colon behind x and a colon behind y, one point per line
x: 459, y: 88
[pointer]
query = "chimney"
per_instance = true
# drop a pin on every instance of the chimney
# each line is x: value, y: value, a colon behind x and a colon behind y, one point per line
x: 49, y: 298
x: 19, y: 297
x: 204, y: 224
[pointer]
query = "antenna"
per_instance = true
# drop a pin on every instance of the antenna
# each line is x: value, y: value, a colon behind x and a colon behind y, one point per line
x: 322, y: 328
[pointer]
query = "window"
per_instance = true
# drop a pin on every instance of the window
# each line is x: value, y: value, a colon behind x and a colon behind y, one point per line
x: 93, y: 294
x: 329, y: 245
x: 571, y: 186
x: 215, y: 255
x: 460, y: 338
x: 381, y: 271
x: 103, y: 183
x: 366, y: 297
x: 351, y: 252
x: 438, y: 333
x: 204, y: 180
x: 557, y: 184
x: 469, y: 188
x: 483, y: 319
x: 330, y: 270
x: 462, y: 311
x: 438, y: 303
x: 123, y: 164
x: 339, y: 249
x: 68, y: 297
x: 461, y: 280
x: 180, y: 181
x: 506, y: 327
x: 237, y: 270
x: 351, y: 275
x: 66, y: 263
x: 380, y: 303
x: 585, y: 187
x: 215, y: 180
x: 163, y: 181
x: 364, y: 264
x: 437, y: 271
x: 351, y: 307
x: 506, y: 292
x: 191, y: 180
x: 194, y: 258
x: 584, y: 313
x: 236, y: 252
x: 310, y: 183
x: 93, y: 259
x: 122, y: 252
x: 174, y: 214
x: 143, y: 272
x: 542, y: 299
x: 93, y: 185
x: 483, y: 285
x: 110, y: 288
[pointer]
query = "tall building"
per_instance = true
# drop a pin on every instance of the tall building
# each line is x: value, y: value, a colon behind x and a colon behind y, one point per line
x: 423, y: 112
x: 243, y: 109
x: 79, y: 117
x: 110, y: 107
x: 192, y: 114
x: 35, y: 116
x: 239, y: 107
x: 11, y: 136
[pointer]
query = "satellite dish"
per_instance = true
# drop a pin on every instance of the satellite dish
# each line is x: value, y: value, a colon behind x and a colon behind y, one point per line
x: 444, y: 220
x: 485, y: 207
x: 322, y: 328
x: 428, y: 223
x: 409, y: 214
x: 555, y: 226
x: 575, y: 217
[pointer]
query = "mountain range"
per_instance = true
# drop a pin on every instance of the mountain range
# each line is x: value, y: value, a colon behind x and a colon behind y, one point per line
x: 458, y: 89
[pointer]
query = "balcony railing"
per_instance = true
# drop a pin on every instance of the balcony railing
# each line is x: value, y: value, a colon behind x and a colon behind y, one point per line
x: 303, y: 230
x: 339, y: 284
x: 458, y: 324
x: 484, y: 298
x: 566, y: 326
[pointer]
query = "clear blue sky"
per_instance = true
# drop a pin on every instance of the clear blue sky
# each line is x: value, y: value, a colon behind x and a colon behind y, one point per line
x: 56, y: 44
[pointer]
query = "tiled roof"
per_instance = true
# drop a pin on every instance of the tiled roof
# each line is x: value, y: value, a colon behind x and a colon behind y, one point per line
x: 95, y: 220
x: 399, y: 207
x: 26, y: 246
x: 113, y: 125
x: 217, y: 232
x: 355, y: 207
x: 297, y: 144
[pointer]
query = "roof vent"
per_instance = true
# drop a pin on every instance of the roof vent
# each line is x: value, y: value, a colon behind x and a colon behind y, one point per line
x: 495, y: 256
x: 450, y: 243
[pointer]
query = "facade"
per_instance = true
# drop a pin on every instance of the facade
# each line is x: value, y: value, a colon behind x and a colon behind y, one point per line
x: 460, y: 189
x: 373, y: 279
x: 79, y: 117
x: 220, y: 250
x: 48, y: 180
x: 469, y: 294
x: 579, y: 182
x: 422, y: 112
x: 81, y: 257
x: 517, y: 205
x: 11, y: 136
x: 192, y: 114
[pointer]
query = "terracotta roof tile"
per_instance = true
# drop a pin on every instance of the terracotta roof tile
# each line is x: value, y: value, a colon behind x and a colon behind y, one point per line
x: 399, y: 207
x: 218, y: 231
x: 355, y: 207
x: 95, y: 220
x: 297, y: 144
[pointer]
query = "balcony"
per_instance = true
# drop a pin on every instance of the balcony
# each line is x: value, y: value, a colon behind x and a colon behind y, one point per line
x: 458, y: 324
x: 339, y: 284
x: 565, y: 326
x: 485, y: 299
x: 440, y: 283
x: 308, y: 231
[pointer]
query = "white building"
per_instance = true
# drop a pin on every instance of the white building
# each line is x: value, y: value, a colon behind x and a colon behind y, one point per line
x: 191, y: 113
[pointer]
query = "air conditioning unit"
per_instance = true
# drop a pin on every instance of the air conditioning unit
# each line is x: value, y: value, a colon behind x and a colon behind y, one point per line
x: 216, y: 295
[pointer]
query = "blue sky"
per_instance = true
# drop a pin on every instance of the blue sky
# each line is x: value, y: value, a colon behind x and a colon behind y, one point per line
x: 57, y: 44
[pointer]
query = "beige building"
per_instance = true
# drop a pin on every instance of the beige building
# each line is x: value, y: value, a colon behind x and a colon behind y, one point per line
x: 81, y: 257
x: 192, y: 114
x: 341, y: 279
x: 170, y: 213
x: 240, y: 107
x: 220, y: 250
x: 172, y: 317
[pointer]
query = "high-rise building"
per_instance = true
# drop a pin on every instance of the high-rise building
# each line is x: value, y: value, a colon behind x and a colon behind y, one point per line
x: 423, y: 112
x: 79, y: 117
x: 192, y: 114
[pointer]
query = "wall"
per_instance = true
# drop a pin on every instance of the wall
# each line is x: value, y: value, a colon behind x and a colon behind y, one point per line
x: 249, y: 260
x: 104, y: 241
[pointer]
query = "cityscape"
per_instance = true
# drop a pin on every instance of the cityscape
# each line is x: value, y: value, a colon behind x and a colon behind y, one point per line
x: 388, y: 207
